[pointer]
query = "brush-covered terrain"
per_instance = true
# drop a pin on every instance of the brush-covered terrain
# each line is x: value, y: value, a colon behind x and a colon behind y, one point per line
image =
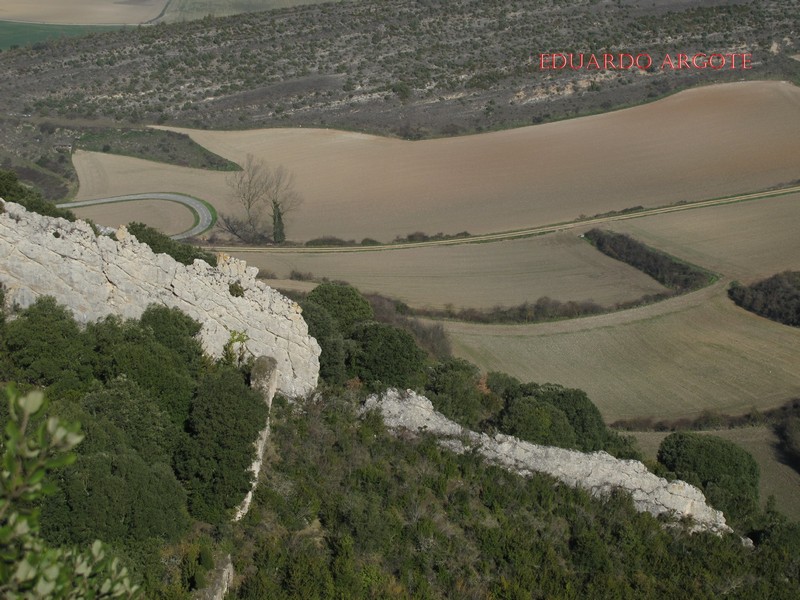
x: 407, y: 68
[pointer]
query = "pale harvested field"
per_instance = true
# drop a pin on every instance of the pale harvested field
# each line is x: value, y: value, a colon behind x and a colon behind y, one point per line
x: 81, y: 12
x: 105, y: 175
x: 167, y: 217
x: 668, y: 360
x: 561, y: 266
x: 777, y: 479
x: 745, y: 241
x: 701, y: 143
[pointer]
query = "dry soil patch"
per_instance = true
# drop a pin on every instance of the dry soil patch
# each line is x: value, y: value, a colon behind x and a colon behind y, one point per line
x: 701, y: 143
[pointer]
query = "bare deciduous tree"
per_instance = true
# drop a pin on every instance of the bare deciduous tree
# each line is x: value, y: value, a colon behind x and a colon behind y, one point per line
x: 265, y: 194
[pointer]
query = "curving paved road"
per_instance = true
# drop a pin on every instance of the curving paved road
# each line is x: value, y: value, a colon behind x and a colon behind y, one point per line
x: 205, y: 219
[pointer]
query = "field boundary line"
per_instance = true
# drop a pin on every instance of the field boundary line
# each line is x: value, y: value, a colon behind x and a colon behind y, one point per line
x: 524, y: 233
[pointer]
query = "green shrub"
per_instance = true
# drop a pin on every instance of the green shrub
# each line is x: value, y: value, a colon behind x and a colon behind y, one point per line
x: 387, y: 355
x: 163, y: 244
x: 453, y: 389
x: 324, y: 329
x: 538, y: 422
x: 236, y: 290
x: 213, y: 459
x: 47, y: 347
x: 727, y: 473
x: 344, y: 304
x: 582, y: 414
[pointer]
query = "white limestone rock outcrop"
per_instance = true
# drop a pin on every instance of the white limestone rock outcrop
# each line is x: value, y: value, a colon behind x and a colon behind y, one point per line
x: 598, y: 472
x: 96, y: 276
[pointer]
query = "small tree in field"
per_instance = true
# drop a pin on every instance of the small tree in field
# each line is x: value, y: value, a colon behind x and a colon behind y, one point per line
x: 266, y: 195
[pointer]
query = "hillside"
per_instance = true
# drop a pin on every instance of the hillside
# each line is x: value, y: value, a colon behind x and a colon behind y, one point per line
x: 410, y: 69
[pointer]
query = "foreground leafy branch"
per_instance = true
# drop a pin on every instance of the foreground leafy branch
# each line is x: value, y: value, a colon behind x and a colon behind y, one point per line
x: 29, y: 568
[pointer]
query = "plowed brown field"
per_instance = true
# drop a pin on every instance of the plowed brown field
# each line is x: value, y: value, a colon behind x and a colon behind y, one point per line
x: 702, y: 143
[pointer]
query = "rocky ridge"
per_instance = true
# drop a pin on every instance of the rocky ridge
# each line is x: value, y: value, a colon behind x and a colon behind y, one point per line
x: 598, y: 472
x: 96, y: 276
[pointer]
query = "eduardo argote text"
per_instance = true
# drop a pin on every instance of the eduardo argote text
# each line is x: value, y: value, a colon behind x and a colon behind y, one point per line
x: 558, y: 61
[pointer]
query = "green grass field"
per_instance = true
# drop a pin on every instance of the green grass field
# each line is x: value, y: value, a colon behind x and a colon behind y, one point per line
x: 14, y: 35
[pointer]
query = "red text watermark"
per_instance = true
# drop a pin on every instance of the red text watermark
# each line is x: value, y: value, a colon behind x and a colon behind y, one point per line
x: 559, y: 61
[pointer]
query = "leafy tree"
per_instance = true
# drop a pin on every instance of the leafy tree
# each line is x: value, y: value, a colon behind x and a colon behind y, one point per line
x: 727, y: 473
x: 344, y: 304
x: 452, y: 387
x: 177, y: 331
x: 116, y: 496
x: 212, y: 461
x: 387, y: 355
x: 324, y: 329
x: 47, y: 346
x: 30, y: 568
x: 124, y: 406
x: 539, y: 422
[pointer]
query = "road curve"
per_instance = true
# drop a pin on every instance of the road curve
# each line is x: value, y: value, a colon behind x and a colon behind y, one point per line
x: 205, y: 219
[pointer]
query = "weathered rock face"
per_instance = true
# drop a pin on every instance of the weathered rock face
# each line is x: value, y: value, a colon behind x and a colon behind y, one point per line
x: 598, y: 472
x: 96, y: 276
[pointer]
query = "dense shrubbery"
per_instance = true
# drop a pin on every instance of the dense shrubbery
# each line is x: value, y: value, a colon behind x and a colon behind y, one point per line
x: 555, y: 415
x: 777, y: 298
x: 352, y: 512
x: 419, y: 236
x: 387, y: 355
x: 344, y: 304
x: 168, y: 433
x: 668, y: 271
x: 726, y: 473
x: 454, y: 389
x: 163, y: 244
x: 355, y: 346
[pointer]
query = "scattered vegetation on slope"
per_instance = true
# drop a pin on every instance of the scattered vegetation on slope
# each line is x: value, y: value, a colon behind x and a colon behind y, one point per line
x: 155, y: 144
x: 777, y: 298
x: 161, y: 243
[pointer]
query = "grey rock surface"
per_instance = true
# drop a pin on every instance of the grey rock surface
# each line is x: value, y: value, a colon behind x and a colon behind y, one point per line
x: 598, y: 472
x: 96, y: 276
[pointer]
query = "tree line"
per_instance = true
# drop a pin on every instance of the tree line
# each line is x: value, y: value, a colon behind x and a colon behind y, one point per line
x: 679, y: 276
x: 776, y: 298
